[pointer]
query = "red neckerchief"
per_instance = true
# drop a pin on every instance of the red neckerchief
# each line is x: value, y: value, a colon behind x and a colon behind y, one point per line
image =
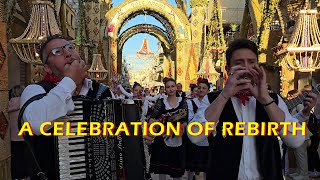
x: 51, y: 78
x: 243, y: 97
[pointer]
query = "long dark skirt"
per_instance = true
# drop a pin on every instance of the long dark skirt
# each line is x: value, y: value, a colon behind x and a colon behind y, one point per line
x: 167, y: 160
x: 197, y: 157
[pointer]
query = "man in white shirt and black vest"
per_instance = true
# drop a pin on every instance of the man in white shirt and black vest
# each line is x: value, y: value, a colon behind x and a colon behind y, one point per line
x: 180, y: 93
x: 245, y: 98
x: 66, y: 77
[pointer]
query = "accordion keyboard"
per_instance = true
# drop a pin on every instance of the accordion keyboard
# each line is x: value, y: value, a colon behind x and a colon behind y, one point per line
x: 72, y: 149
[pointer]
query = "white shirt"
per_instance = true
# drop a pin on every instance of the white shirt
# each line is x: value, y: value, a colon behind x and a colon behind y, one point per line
x: 191, y: 116
x: 145, y: 107
x: 156, y: 97
x: 180, y: 94
x: 124, y: 92
x: 57, y: 103
x: 249, y: 168
x: 121, y: 96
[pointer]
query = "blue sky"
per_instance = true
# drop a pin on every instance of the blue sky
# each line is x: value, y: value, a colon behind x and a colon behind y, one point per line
x: 134, y: 43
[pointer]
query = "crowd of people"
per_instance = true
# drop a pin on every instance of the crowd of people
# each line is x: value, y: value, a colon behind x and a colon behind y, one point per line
x: 246, y: 97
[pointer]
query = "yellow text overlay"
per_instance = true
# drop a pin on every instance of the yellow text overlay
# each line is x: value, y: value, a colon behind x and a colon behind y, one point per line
x: 168, y: 129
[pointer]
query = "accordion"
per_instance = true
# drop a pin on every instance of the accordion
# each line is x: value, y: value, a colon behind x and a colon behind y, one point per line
x: 101, y: 157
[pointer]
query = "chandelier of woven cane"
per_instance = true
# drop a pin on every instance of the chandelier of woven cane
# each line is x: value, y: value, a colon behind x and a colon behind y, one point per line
x: 145, y: 53
x: 208, y: 71
x: 303, y: 50
x: 41, y: 25
x: 97, y: 70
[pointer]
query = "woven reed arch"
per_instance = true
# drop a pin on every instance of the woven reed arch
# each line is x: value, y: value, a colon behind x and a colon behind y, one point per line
x: 174, y: 20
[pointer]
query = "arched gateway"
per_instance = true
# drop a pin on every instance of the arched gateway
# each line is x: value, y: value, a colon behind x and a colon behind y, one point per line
x: 176, y: 34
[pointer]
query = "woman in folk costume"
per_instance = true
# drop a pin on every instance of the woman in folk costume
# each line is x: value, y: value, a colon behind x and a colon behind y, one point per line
x: 160, y: 95
x: 197, y: 154
x: 136, y: 94
x: 168, y: 153
x: 147, y: 104
x: 121, y: 93
x: 116, y: 87
x: 193, y: 91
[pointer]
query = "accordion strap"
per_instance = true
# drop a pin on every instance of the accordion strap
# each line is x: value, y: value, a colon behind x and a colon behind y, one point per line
x: 27, y: 139
x: 25, y: 105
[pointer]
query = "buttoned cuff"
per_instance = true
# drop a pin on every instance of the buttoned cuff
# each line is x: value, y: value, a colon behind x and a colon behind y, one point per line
x: 68, y: 85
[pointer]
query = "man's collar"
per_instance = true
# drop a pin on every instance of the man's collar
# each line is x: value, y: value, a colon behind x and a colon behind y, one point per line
x: 87, y: 85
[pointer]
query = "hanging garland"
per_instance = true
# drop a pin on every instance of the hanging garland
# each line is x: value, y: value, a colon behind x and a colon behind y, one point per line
x: 215, y: 43
x: 245, y: 24
x: 79, y: 38
x: 82, y: 38
x: 270, y: 9
x: 10, y: 11
x: 215, y: 38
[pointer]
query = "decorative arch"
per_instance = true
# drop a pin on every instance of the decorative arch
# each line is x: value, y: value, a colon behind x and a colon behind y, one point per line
x: 153, y: 30
x: 157, y: 32
x: 177, y: 32
x: 162, y: 20
x: 176, y: 18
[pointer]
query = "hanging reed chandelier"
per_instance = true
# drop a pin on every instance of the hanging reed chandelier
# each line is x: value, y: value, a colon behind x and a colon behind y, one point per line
x: 303, y: 50
x: 145, y: 52
x: 208, y: 71
x: 97, y: 70
x: 41, y: 25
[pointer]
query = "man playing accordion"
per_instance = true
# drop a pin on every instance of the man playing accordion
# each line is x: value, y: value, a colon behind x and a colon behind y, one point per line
x: 66, y: 77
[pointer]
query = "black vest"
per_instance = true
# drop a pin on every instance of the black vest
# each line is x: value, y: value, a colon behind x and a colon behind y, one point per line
x: 44, y: 146
x: 194, y: 106
x: 183, y: 94
x: 225, y: 152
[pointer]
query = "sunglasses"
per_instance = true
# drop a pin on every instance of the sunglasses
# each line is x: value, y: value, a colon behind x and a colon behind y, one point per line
x: 59, y: 51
